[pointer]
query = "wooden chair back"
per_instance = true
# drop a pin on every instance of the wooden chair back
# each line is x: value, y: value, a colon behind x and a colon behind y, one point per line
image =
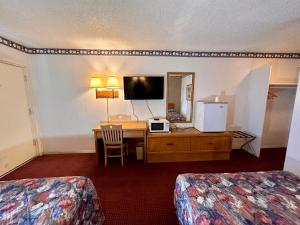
x: 112, y: 134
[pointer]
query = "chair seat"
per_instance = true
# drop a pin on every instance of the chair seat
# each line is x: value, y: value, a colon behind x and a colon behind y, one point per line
x: 114, y: 145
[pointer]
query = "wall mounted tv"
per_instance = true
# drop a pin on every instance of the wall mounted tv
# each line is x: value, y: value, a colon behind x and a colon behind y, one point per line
x: 143, y: 87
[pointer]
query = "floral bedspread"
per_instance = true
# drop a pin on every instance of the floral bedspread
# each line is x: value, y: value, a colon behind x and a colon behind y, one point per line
x: 238, y: 198
x: 57, y: 200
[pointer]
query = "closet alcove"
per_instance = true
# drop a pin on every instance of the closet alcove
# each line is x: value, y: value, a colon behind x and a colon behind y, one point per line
x: 278, y: 115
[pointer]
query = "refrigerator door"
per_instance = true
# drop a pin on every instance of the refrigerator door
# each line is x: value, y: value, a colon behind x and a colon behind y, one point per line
x: 215, y: 115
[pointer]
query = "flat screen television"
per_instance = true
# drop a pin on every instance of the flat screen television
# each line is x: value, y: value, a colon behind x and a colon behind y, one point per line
x: 143, y: 87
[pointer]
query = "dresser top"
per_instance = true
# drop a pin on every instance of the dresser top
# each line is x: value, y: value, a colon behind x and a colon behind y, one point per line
x: 181, y: 132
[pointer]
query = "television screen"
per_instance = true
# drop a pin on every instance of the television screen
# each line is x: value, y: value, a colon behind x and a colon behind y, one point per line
x: 141, y: 87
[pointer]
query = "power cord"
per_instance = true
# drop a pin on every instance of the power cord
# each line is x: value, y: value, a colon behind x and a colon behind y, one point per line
x: 137, y: 119
x: 107, y: 113
x: 149, y: 108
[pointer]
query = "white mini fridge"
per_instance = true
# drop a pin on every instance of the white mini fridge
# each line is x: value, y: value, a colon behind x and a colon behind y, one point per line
x: 211, y: 116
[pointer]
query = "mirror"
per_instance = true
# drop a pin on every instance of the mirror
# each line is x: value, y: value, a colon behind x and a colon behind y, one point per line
x: 180, y: 95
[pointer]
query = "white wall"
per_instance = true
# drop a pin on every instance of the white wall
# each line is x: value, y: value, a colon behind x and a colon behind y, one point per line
x: 284, y: 71
x: 292, y: 161
x: 68, y: 110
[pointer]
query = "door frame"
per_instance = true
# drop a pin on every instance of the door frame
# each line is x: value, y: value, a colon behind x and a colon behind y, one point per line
x: 29, y: 95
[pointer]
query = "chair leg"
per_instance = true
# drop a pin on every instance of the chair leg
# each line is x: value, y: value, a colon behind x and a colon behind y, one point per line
x: 122, y: 160
x: 127, y: 150
x: 105, y: 156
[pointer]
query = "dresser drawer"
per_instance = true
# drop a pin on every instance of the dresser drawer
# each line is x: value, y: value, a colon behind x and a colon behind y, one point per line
x: 210, y: 143
x: 169, y: 144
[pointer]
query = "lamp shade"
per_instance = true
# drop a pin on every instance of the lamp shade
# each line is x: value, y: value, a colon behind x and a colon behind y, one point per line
x: 112, y: 82
x: 96, y: 82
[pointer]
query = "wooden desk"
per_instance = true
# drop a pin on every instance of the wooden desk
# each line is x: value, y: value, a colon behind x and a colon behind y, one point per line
x: 131, y: 129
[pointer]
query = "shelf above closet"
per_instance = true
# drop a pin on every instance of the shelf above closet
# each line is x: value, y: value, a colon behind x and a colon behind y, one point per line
x: 283, y: 85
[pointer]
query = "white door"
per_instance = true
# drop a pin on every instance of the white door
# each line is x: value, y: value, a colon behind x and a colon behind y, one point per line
x: 16, y: 133
x: 250, y: 106
x: 257, y: 104
x: 215, y: 117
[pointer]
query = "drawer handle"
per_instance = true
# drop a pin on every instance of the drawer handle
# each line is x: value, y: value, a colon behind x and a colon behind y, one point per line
x: 170, y: 144
x: 210, y: 143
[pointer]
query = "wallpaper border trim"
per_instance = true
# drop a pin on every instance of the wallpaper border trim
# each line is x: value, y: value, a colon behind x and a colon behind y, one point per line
x: 162, y: 53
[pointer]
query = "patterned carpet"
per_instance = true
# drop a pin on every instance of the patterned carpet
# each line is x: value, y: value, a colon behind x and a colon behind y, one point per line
x: 141, y: 194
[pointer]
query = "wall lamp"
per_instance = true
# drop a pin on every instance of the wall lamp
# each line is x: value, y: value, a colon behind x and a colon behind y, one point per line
x: 107, y: 90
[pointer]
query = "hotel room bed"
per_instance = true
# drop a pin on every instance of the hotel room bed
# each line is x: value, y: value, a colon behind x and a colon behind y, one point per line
x: 57, y: 200
x: 238, y: 198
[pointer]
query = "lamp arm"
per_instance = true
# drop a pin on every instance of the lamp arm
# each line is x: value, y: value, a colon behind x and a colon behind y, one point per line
x: 107, y: 113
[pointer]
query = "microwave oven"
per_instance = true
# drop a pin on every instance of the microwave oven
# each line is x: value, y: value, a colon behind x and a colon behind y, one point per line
x: 159, y: 125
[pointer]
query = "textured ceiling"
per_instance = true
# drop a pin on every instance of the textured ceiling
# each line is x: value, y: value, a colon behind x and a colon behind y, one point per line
x: 203, y: 25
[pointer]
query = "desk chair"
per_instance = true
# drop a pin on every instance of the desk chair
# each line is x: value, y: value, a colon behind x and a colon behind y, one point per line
x: 112, y: 140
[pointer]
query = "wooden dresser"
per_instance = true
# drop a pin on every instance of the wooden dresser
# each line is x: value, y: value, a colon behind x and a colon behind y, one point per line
x: 188, y: 145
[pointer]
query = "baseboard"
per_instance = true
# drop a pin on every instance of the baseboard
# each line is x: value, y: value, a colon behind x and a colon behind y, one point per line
x: 68, y: 144
x: 14, y: 156
x: 292, y: 165
x: 69, y: 151
x: 273, y: 146
x: 17, y: 167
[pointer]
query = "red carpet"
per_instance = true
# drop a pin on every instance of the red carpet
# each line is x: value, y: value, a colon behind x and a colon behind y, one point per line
x: 140, y: 194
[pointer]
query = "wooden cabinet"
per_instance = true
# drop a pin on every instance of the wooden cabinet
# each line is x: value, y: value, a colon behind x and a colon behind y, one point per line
x: 188, y: 145
x: 210, y: 143
x: 169, y: 144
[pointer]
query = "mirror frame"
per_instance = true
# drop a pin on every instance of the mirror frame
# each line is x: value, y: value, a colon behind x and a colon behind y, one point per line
x: 169, y: 74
